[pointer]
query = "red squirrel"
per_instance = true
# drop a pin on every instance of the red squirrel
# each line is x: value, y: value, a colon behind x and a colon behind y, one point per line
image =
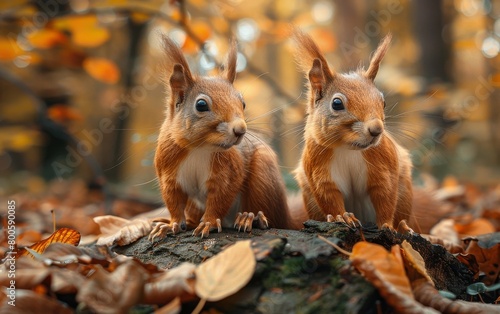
x: 212, y: 171
x: 350, y: 164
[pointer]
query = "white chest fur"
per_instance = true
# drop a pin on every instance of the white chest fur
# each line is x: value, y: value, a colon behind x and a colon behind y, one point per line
x: 349, y: 172
x: 193, y: 174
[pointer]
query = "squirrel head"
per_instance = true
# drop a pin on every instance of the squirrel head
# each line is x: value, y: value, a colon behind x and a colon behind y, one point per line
x: 343, y: 108
x: 203, y: 111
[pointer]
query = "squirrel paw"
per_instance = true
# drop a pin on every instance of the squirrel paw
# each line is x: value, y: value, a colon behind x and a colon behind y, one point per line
x: 404, y: 228
x: 203, y: 228
x: 164, y: 227
x: 246, y: 220
x: 346, y: 218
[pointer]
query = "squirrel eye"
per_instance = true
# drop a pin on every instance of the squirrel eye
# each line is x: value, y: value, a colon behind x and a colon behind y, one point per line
x: 337, y: 104
x: 202, y: 105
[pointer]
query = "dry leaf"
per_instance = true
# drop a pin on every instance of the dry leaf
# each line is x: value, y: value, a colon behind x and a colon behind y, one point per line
x: 173, y: 284
x: 400, y: 301
x: 477, y: 226
x: 429, y: 296
x: 102, y: 69
x: 63, y: 235
x: 446, y: 231
x: 415, y: 260
x: 90, y: 37
x: 174, y: 307
x: 388, y: 265
x: 225, y: 273
x: 28, y: 237
x: 116, y: 230
x: 487, y: 255
x: 28, y: 301
x: 113, y: 292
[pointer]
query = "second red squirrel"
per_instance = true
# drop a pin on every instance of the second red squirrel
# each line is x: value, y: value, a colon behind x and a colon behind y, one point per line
x: 212, y: 172
x: 349, y: 162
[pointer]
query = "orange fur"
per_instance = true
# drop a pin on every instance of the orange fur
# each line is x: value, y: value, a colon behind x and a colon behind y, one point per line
x: 347, y: 154
x: 209, y: 170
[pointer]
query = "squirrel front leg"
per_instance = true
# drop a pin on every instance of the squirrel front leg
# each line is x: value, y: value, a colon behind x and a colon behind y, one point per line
x: 176, y: 201
x: 325, y: 192
x: 223, y: 186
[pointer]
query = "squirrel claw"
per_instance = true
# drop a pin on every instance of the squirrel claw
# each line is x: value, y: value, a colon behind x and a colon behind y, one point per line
x: 404, y: 228
x: 346, y: 218
x: 161, y: 229
x: 245, y: 220
x: 203, y: 228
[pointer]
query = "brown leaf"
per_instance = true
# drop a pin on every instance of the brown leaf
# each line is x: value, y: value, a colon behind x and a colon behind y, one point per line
x: 415, y: 260
x: 400, y: 301
x: 175, y: 283
x: 388, y: 265
x: 102, y: 69
x: 488, y: 257
x: 225, y: 273
x: 469, y: 260
x: 116, y: 230
x: 429, y: 296
x: 446, y: 231
x: 63, y: 235
x: 28, y: 301
x: 174, y: 307
x: 475, y: 227
x: 113, y: 292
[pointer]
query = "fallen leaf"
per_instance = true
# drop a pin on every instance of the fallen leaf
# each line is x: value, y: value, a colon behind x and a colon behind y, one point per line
x: 102, y: 69
x: 116, y: 230
x: 397, y: 299
x: 486, y: 250
x: 388, y: 265
x: 174, y: 307
x: 28, y: 301
x: 113, y: 292
x: 175, y: 283
x: 63, y: 235
x: 415, y: 260
x: 427, y: 295
x: 449, y: 246
x: 477, y: 226
x: 446, y: 231
x: 225, y: 273
x: 28, y: 237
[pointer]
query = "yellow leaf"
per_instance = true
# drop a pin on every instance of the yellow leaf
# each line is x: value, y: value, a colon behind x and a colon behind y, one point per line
x: 102, y: 69
x: 90, y: 37
x: 46, y: 38
x: 225, y: 273
x: 415, y: 260
x: 387, y: 266
x: 63, y: 235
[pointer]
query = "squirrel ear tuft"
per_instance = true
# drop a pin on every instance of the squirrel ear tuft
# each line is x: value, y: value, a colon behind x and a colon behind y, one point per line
x: 377, y: 57
x: 306, y: 52
x: 230, y: 64
x: 175, y: 56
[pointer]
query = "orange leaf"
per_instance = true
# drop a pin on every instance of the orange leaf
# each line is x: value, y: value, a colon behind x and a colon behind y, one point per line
x: 61, y: 113
x: 387, y: 265
x: 102, y: 69
x: 90, y: 37
x: 46, y: 38
x: 477, y: 226
x: 72, y: 23
x: 63, y: 235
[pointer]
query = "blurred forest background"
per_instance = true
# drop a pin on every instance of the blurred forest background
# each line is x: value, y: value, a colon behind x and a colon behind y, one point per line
x: 81, y: 92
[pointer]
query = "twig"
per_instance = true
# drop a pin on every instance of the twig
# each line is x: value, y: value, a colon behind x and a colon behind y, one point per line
x: 338, y: 248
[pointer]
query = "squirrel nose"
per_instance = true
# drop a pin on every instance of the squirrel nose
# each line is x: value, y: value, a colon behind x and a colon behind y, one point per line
x: 239, y: 128
x: 375, y: 127
x: 375, y: 131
